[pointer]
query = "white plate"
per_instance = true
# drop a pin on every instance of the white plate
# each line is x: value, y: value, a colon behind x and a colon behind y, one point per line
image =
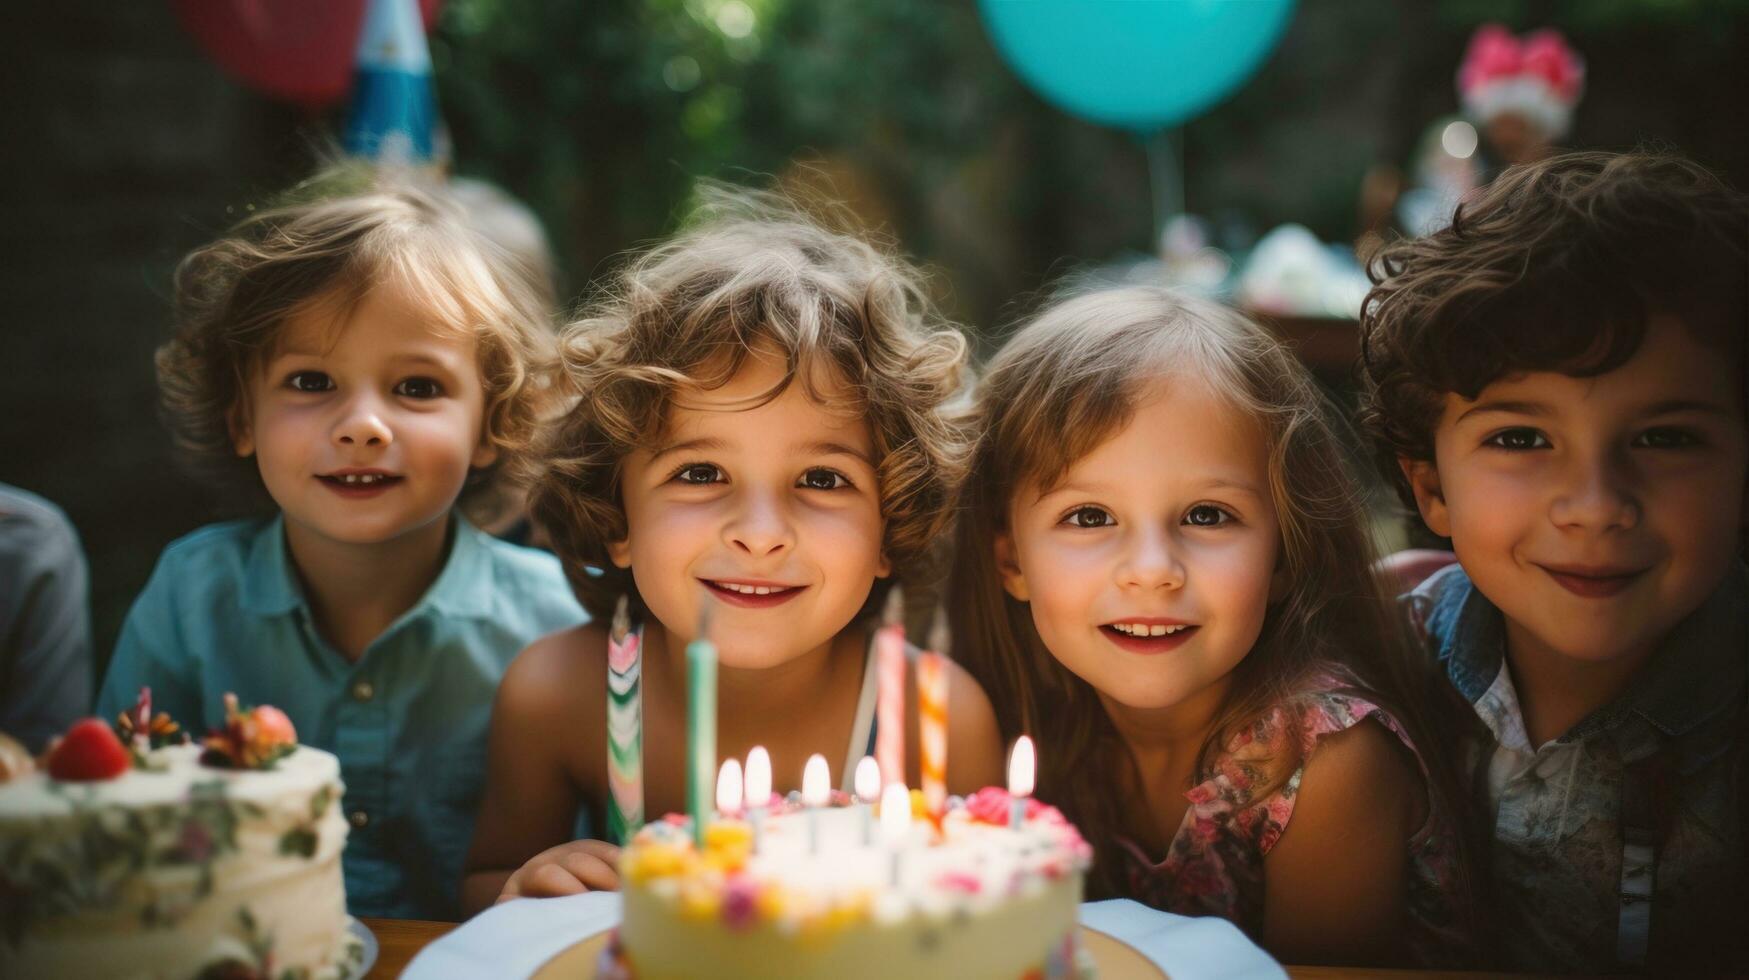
x: 1116, y: 959
x: 367, y: 940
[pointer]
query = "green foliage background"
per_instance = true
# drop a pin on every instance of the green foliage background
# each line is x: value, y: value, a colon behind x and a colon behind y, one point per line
x: 602, y: 114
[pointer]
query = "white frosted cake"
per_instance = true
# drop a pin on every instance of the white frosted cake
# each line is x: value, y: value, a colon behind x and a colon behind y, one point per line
x: 970, y: 898
x: 176, y: 869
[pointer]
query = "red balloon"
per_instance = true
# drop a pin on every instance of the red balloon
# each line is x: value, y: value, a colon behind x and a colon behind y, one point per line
x: 292, y: 50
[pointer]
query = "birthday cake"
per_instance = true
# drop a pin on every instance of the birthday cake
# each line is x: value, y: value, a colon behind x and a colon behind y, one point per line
x: 839, y: 892
x: 130, y: 857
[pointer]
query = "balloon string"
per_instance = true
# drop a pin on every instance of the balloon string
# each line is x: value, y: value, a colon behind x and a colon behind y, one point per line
x: 1165, y: 178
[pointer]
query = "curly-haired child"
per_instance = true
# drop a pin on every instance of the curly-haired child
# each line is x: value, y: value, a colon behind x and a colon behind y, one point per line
x: 1557, y: 383
x: 366, y: 367
x: 758, y: 433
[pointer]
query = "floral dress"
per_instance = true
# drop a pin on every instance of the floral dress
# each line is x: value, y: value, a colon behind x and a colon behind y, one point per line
x: 1214, y: 865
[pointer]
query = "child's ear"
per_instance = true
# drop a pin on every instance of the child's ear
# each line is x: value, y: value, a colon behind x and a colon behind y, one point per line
x: 1013, y: 579
x: 1423, y: 477
x: 1278, y: 582
x: 885, y: 568
x: 485, y: 454
x: 241, y: 432
x: 620, y: 552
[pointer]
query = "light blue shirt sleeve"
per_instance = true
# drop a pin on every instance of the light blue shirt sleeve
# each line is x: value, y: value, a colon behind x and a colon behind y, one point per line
x: 151, y: 653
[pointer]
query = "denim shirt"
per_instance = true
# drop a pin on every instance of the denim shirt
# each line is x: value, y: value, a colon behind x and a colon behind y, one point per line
x: 1673, y: 748
x: 224, y: 611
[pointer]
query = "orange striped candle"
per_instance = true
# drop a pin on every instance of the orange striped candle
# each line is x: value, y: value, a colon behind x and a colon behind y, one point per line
x: 932, y: 715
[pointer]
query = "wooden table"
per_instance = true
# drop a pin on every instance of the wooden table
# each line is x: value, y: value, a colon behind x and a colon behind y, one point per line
x: 399, y: 940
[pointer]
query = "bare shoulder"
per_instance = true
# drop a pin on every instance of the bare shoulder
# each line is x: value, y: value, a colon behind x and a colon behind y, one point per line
x: 967, y: 703
x: 555, y: 676
x: 1337, y: 878
x: 976, y: 757
x: 1365, y: 762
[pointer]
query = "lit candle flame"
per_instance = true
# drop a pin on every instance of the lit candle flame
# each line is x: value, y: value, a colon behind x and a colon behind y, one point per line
x: 1021, y: 764
x: 868, y: 779
x: 895, y: 812
x: 816, y: 781
x: 758, y: 777
x: 729, y: 787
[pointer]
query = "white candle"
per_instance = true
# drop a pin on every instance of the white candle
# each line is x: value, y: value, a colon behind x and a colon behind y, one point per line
x: 729, y: 788
x: 758, y: 791
x: 816, y: 783
x: 1021, y: 764
x: 868, y: 789
x: 895, y: 822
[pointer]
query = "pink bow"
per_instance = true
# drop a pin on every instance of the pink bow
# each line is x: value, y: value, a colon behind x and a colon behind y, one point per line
x: 1494, y: 54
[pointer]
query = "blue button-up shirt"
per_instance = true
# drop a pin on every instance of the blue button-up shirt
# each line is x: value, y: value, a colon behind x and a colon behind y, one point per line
x: 224, y: 611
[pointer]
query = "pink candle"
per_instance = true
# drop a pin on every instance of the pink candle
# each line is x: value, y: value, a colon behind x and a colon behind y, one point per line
x: 890, y: 678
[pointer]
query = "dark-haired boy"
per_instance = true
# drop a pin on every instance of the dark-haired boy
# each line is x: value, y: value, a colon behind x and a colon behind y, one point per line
x: 1558, y: 380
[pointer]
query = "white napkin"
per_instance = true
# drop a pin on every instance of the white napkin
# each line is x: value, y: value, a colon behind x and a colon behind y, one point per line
x: 514, y: 939
x: 1186, y: 948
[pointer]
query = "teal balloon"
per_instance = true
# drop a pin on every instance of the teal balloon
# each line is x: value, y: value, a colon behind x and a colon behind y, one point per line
x: 1141, y: 65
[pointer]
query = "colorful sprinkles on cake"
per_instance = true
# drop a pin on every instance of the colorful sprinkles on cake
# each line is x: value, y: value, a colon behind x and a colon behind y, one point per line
x: 722, y: 879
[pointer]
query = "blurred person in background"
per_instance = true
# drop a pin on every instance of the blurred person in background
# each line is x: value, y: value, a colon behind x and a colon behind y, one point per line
x: 45, y: 620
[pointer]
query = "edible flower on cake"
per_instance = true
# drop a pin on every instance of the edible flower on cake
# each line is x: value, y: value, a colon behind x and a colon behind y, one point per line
x: 252, y: 739
x: 143, y: 732
x: 139, y: 725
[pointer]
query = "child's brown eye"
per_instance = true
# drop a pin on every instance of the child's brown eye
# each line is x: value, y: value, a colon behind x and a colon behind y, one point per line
x: 822, y: 479
x: 419, y: 388
x: 309, y: 381
x: 1206, y: 515
x: 698, y: 473
x: 1518, y: 440
x: 1088, y: 517
x: 1666, y: 437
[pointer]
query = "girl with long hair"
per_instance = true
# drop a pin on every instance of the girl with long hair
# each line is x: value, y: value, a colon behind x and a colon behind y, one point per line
x: 1164, y: 574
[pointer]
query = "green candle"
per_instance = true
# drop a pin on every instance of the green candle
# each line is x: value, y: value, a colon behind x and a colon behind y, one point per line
x: 701, y: 728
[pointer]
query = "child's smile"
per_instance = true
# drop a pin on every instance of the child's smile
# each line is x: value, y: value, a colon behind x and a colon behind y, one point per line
x: 754, y: 594
x: 1143, y: 635
x: 356, y: 484
x: 1593, y: 581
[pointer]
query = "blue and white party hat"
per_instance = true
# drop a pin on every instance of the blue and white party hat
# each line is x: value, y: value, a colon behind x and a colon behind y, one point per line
x: 394, y: 111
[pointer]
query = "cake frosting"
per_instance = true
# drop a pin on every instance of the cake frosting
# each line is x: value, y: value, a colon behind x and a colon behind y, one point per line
x: 961, y: 896
x: 175, y: 868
